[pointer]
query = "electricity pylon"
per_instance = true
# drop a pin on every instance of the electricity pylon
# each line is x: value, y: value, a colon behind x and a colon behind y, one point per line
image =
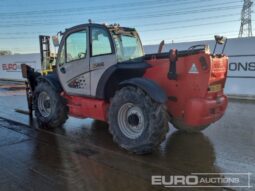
x: 246, y: 26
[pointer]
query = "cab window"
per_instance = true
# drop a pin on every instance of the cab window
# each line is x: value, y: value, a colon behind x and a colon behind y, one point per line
x: 128, y: 47
x: 101, y: 44
x: 76, y: 46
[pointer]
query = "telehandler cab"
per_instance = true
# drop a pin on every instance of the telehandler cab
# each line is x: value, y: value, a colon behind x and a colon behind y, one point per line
x: 102, y: 73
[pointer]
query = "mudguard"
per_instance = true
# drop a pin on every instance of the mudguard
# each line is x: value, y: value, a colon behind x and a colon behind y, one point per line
x: 51, y: 79
x: 149, y: 86
x: 116, y: 74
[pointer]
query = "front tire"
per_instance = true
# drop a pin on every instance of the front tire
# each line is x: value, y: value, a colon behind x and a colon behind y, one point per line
x: 137, y: 123
x: 50, y: 108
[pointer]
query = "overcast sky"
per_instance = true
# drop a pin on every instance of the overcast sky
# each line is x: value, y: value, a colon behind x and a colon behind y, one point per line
x: 179, y: 21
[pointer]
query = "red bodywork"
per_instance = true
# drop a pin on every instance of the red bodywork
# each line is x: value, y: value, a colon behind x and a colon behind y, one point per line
x: 81, y: 107
x: 190, y: 100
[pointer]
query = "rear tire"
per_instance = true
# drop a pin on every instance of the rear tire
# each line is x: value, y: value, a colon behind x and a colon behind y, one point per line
x: 50, y: 108
x: 137, y: 123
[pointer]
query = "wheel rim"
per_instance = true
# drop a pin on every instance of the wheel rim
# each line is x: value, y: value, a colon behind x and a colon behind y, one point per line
x: 44, y: 104
x: 131, y: 120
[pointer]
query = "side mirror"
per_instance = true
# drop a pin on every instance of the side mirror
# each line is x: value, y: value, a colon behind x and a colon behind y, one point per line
x: 55, y: 41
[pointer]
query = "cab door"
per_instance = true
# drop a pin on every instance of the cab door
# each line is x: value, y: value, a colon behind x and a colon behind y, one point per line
x: 73, y: 62
x: 102, y: 55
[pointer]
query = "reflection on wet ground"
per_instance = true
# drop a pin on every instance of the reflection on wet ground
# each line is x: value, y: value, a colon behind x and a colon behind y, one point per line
x: 11, y: 89
x: 82, y: 156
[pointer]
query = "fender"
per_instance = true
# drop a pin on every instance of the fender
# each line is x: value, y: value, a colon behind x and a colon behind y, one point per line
x: 116, y: 74
x: 51, y: 79
x: 149, y: 86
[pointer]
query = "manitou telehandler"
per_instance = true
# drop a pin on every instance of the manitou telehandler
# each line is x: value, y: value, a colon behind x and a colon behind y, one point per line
x: 102, y: 73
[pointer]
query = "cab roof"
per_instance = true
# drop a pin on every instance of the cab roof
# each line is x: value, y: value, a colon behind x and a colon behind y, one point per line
x: 112, y: 27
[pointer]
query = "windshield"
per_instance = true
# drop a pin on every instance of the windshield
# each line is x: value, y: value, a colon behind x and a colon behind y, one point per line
x: 128, y: 47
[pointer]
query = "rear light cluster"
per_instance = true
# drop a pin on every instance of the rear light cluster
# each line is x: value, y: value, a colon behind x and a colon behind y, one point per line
x: 219, y: 68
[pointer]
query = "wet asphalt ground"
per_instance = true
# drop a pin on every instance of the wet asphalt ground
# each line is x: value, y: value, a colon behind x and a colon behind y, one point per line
x: 82, y: 156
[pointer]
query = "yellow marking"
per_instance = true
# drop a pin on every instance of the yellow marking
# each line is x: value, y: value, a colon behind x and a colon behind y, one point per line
x: 215, y: 88
x: 45, y: 72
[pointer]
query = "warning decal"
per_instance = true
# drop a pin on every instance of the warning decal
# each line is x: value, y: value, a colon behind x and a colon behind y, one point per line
x: 193, y: 69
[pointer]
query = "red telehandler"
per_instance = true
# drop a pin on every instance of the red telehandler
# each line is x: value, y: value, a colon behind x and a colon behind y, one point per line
x: 102, y: 73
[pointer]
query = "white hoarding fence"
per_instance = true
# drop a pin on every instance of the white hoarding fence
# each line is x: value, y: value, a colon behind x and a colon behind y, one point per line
x: 10, y: 66
x: 241, y: 52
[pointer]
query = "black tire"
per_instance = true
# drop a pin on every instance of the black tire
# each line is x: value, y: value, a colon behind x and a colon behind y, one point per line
x: 189, y: 129
x: 151, y: 115
x: 58, y: 113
